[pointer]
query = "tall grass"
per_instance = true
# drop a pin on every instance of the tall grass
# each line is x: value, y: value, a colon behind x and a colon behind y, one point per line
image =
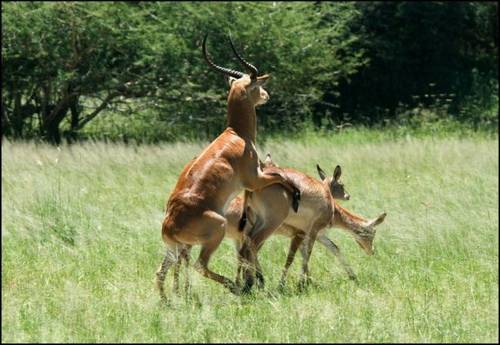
x: 81, y: 242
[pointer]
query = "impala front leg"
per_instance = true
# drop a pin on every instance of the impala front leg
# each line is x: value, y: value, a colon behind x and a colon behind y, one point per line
x: 334, y: 249
x: 294, y: 245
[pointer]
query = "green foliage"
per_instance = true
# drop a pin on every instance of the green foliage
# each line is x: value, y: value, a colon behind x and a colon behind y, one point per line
x: 135, y: 69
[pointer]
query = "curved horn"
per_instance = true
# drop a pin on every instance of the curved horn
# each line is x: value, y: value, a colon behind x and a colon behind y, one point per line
x: 220, y: 69
x: 248, y: 65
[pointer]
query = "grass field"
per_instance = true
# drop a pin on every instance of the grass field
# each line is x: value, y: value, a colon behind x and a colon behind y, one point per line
x: 81, y: 243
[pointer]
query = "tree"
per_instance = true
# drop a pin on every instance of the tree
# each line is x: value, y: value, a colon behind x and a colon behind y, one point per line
x: 69, y: 61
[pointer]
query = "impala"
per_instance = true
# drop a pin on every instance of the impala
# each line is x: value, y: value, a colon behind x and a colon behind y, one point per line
x: 207, y: 184
x: 269, y: 212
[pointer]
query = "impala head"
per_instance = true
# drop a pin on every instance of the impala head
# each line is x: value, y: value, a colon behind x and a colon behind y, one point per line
x: 333, y: 183
x: 365, y: 234
x: 244, y: 87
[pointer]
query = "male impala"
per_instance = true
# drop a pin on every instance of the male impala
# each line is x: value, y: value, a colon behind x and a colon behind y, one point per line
x: 206, y: 185
x: 269, y: 212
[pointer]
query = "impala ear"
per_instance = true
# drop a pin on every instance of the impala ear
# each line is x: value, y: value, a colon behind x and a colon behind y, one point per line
x: 259, y: 82
x: 261, y: 165
x: 321, y: 173
x: 336, y: 173
x: 262, y: 79
x: 268, y: 159
x: 378, y: 220
x: 230, y: 81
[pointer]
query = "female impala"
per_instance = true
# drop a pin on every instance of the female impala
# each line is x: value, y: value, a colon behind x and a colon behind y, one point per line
x: 208, y: 183
x: 269, y: 212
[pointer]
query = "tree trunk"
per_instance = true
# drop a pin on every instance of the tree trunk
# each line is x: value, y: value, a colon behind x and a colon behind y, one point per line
x: 52, y: 119
x: 75, y: 120
x: 52, y: 132
x: 4, y: 120
x: 16, y: 117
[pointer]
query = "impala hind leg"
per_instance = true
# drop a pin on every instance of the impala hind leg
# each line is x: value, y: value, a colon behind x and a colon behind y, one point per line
x: 332, y: 247
x: 246, y: 264
x: 252, y: 269
x: 258, y: 234
x: 177, y: 267
x: 241, y: 260
x: 306, y: 250
x: 171, y: 257
x: 184, y: 255
x: 201, y: 266
x: 187, y: 257
x: 248, y: 261
x: 237, y: 280
x: 258, y: 274
x: 212, y: 232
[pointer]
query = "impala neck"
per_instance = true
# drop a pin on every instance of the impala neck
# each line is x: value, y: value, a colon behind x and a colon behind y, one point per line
x: 346, y: 219
x: 241, y: 117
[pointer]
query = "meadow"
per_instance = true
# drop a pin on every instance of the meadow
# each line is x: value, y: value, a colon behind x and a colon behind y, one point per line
x: 81, y: 243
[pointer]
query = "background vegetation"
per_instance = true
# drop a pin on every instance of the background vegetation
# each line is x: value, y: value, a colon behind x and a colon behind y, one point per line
x: 134, y: 70
x: 81, y: 243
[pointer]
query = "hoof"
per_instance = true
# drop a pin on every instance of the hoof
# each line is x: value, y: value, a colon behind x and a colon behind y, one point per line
x: 281, y: 287
x: 304, y: 283
x: 164, y: 301
x: 235, y: 290
x: 247, y: 288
